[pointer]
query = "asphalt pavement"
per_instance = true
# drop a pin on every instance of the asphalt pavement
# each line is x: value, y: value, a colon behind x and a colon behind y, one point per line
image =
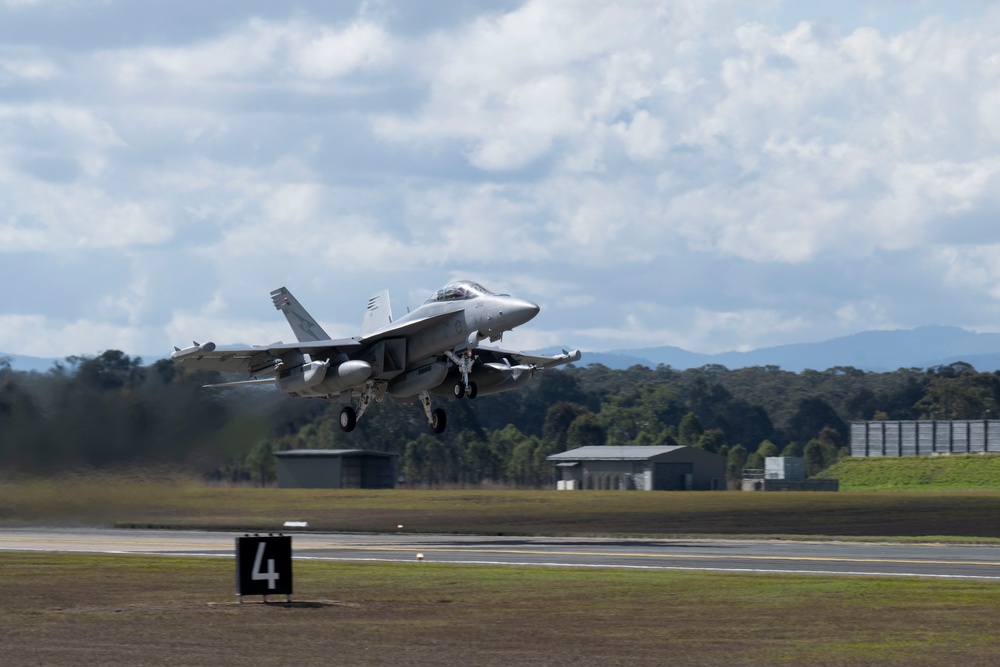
x: 841, y: 558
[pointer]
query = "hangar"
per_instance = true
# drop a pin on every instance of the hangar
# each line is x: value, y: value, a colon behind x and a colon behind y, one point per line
x: 641, y: 468
x: 335, y: 469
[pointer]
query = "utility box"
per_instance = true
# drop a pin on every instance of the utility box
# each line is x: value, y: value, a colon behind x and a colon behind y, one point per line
x: 787, y: 473
x: 785, y: 467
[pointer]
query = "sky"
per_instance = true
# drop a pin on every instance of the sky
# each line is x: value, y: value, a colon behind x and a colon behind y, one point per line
x: 714, y: 175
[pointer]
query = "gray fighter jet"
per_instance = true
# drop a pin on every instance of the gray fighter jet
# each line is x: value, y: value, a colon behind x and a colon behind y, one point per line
x: 434, y: 348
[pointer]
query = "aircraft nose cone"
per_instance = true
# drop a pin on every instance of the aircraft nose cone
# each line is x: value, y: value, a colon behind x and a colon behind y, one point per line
x: 520, y: 311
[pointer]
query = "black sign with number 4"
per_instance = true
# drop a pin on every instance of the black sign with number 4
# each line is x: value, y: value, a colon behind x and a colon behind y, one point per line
x: 264, y: 565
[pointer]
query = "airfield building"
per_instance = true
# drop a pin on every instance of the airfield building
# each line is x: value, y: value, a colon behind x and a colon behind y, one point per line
x: 925, y: 438
x: 639, y: 468
x: 785, y: 473
x: 335, y: 469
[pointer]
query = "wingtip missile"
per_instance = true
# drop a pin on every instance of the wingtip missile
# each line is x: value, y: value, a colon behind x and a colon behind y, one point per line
x: 202, y: 348
x: 568, y: 357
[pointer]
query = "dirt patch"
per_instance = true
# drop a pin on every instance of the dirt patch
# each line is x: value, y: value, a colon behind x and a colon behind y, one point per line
x: 142, y: 610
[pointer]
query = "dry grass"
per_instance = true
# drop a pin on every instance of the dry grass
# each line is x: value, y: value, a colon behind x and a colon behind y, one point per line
x: 141, y: 610
x: 179, y: 502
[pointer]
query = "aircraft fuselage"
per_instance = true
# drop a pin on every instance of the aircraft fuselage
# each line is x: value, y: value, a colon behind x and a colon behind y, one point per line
x: 433, y: 348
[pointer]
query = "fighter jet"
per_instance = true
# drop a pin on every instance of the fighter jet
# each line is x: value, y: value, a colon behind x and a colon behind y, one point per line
x: 433, y: 349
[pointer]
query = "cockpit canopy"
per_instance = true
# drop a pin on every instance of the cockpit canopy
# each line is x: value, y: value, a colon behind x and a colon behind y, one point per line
x: 458, y: 291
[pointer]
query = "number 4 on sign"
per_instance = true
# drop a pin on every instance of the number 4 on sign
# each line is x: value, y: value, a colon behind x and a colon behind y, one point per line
x: 270, y: 576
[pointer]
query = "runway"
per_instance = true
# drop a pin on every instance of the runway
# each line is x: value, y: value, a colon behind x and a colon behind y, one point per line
x: 837, y: 558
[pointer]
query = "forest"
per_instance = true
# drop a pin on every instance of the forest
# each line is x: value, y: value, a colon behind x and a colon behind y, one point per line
x: 112, y: 411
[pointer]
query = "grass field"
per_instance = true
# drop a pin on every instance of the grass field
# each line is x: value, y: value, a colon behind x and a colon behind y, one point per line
x: 60, y: 609
x: 958, y: 472
x: 143, y: 610
x: 115, y: 500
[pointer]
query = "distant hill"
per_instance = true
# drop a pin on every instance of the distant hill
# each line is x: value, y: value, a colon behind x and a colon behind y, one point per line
x: 878, y: 351
x: 22, y: 363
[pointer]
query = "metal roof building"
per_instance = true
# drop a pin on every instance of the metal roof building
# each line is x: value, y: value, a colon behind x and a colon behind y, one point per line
x: 335, y: 469
x: 640, y: 468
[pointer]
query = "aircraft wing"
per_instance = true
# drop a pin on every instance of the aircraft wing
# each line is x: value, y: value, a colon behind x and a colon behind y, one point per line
x: 494, y: 355
x: 253, y: 359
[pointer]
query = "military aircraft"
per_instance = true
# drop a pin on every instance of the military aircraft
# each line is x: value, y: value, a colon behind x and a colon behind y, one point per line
x: 435, y: 348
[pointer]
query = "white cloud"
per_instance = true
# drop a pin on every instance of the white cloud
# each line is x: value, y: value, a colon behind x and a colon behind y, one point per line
x: 511, y: 86
x: 257, y: 52
x: 534, y: 147
x: 226, y: 330
x: 15, y: 68
x: 975, y: 268
x: 327, y: 53
x: 864, y: 315
x: 130, y: 301
x: 487, y: 224
x: 49, y: 218
x: 807, y: 142
x: 42, y: 336
x: 80, y: 127
x: 696, y: 329
x: 643, y: 137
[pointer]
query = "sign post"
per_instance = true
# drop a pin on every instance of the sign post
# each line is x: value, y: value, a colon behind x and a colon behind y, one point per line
x: 264, y: 565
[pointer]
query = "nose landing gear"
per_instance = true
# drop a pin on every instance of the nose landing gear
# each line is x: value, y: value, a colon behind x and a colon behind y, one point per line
x: 461, y: 389
x: 464, y: 361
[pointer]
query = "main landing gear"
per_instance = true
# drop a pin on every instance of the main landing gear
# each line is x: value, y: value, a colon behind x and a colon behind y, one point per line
x: 372, y: 392
x: 348, y: 419
x: 435, y: 417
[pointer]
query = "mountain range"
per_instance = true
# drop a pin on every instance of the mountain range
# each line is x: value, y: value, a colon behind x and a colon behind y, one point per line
x: 877, y: 351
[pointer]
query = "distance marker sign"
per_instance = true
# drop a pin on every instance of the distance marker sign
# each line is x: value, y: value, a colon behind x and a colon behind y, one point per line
x: 264, y: 565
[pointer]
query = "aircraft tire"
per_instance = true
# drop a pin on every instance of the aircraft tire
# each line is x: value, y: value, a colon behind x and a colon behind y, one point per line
x: 348, y: 419
x: 458, y: 390
x: 472, y: 390
x: 439, y: 420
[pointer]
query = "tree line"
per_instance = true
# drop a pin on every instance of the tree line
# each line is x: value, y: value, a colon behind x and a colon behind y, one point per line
x: 112, y: 410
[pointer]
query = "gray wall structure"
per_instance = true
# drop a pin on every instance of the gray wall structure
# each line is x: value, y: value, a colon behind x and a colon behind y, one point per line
x: 785, y: 473
x: 925, y: 438
x: 641, y: 468
x: 335, y: 469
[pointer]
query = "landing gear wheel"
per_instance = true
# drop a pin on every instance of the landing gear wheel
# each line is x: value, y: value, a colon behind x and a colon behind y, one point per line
x: 459, y: 390
x: 348, y: 419
x: 472, y: 390
x: 438, y: 420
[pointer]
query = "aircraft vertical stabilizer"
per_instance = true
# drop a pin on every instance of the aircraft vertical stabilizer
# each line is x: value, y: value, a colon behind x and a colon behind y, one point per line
x: 378, y: 314
x: 305, y: 327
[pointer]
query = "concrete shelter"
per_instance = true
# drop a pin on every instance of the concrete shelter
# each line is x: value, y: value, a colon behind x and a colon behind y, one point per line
x: 335, y: 469
x: 640, y: 468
